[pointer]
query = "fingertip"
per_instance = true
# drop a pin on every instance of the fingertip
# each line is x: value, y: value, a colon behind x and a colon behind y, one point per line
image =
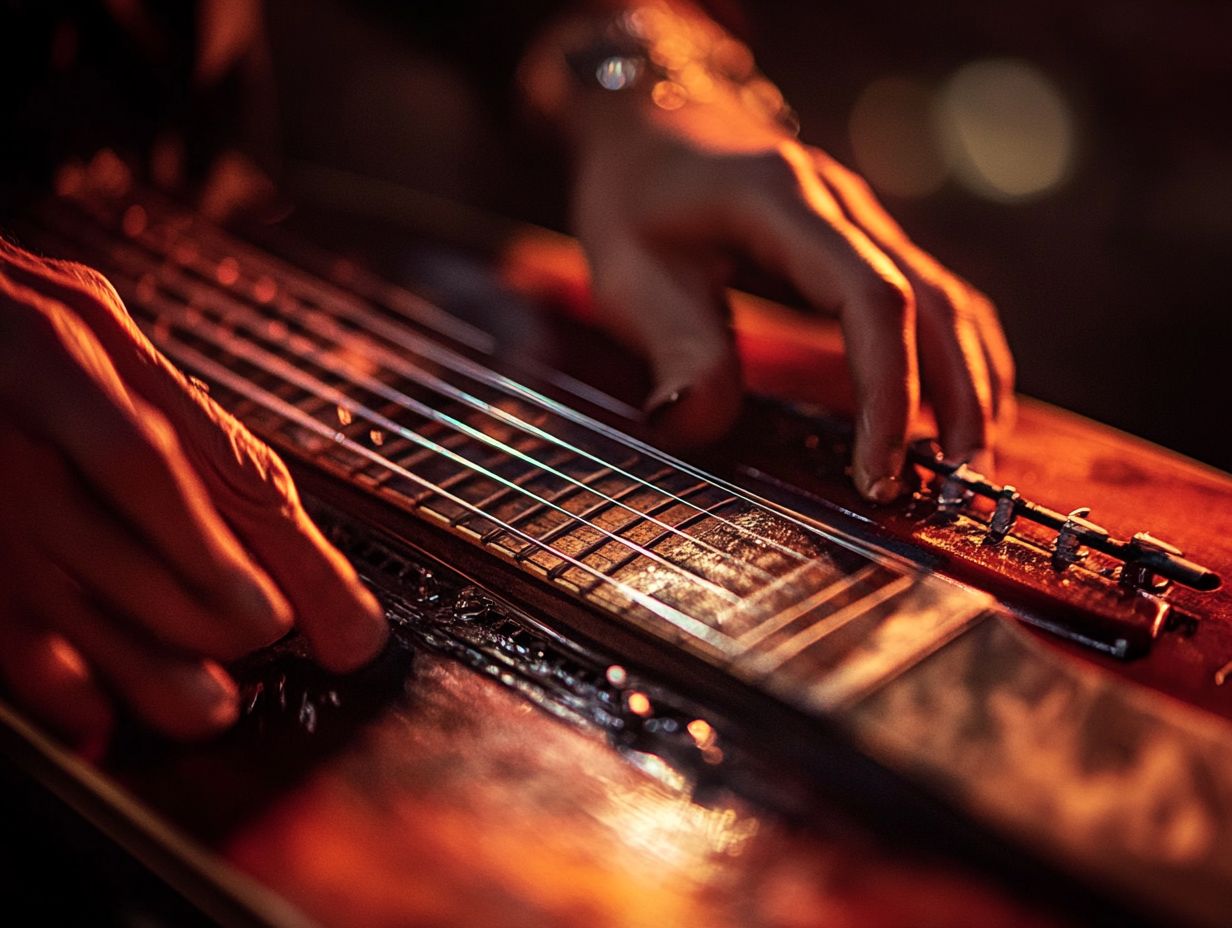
x: 265, y: 611
x: 50, y: 677
x: 357, y: 640
x: 885, y: 490
x: 878, y: 472
x: 223, y: 704
x: 87, y: 718
x: 202, y: 700
x: 981, y: 460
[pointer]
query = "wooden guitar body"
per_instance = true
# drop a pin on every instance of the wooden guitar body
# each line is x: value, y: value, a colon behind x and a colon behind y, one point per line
x: 518, y: 758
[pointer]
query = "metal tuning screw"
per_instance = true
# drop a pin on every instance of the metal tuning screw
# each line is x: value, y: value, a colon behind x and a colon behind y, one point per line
x: 1003, y: 516
x: 1073, y: 534
x: 1138, y: 570
x: 955, y: 492
x: 1147, y: 562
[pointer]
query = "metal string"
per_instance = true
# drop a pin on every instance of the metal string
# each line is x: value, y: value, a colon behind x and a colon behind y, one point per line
x: 788, y: 649
x: 406, y: 304
x: 319, y: 355
x: 279, y: 366
x: 222, y: 374
x: 480, y: 374
x: 359, y: 379
x: 435, y: 352
x: 460, y: 364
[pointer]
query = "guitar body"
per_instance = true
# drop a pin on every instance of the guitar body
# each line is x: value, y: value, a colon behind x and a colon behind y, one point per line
x: 516, y: 758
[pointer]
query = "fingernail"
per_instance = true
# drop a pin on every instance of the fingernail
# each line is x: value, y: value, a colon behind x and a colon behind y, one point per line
x: 659, y: 406
x: 358, y: 641
x: 885, y: 490
x: 255, y: 600
x: 218, y: 693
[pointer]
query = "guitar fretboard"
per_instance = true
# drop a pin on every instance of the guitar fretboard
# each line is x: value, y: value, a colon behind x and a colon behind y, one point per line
x: 384, y: 390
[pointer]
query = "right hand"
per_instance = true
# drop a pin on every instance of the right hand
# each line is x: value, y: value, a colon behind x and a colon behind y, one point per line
x: 147, y: 536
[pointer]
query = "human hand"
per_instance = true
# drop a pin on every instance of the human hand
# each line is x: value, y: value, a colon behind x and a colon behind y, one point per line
x: 669, y: 185
x: 147, y: 535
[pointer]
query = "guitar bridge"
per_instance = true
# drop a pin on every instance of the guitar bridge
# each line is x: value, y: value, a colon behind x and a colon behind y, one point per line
x: 1147, y: 563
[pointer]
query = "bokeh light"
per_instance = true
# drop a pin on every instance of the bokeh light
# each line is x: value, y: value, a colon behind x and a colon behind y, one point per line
x: 1006, y: 130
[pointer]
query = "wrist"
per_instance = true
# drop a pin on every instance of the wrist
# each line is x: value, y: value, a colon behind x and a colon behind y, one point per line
x: 618, y: 61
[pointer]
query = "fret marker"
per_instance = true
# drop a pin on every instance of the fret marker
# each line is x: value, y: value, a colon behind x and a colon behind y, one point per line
x: 639, y: 704
x: 227, y: 272
x: 264, y: 290
x: 344, y: 415
x: 617, y: 675
x: 377, y: 437
x: 702, y: 733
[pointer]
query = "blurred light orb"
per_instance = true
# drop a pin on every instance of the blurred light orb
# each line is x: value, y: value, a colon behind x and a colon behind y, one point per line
x: 893, y: 138
x: 617, y: 73
x: 1006, y: 130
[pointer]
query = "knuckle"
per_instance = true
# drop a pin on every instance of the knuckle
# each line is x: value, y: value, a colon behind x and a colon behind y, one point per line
x: 889, y: 298
x: 246, y: 472
x: 92, y: 281
x: 854, y: 182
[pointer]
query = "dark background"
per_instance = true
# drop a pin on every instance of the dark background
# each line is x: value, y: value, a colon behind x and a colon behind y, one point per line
x: 1113, y: 287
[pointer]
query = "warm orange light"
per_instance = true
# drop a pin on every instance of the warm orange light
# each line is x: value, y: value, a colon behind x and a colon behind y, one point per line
x: 701, y: 732
x: 668, y: 95
x: 264, y: 290
x: 639, y: 704
x: 227, y: 272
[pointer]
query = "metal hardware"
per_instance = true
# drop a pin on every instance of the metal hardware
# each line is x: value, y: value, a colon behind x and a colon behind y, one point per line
x: 1138, y: 571
x: 1148, y: 561
x: 1077, y: 528
x: 954, y: 495
x: 1003, y: 517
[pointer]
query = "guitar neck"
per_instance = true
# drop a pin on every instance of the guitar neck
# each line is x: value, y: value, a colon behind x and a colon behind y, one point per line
x: 384, y: 398
x: 386, y: 393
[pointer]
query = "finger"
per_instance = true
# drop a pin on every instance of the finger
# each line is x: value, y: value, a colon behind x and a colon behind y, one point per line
x: 182, y: 697
x: 954, y: 372
x: 794, y: 228
x: 344, y: 624
x: 247, y: 483
x: 997, y: 358
x: 70, y: 528
x: 960, y: 339
x: 672, y: 311
x: 49, y: 677
x: 74, y: 397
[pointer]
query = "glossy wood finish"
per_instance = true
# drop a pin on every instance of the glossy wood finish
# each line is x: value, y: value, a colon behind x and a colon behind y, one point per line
x: 1052, y: 456
x: 451, y: 801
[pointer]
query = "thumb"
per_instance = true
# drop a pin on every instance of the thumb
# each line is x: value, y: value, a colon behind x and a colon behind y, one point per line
x: 674, y: 313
